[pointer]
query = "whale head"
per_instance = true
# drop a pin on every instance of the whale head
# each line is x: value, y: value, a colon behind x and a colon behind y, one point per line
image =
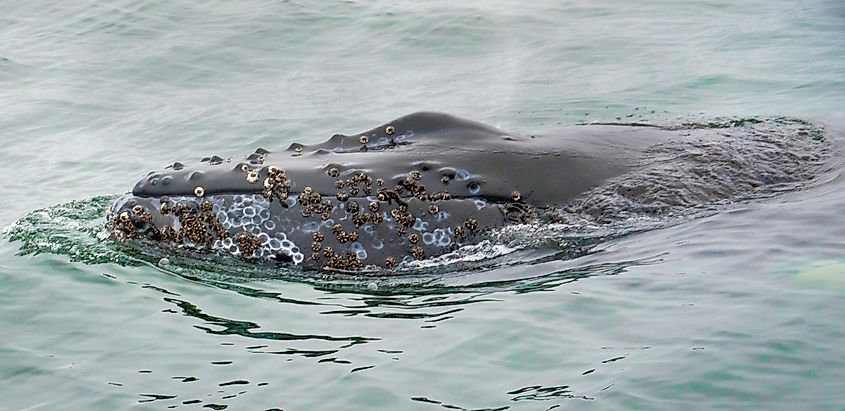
x: 407, y: 190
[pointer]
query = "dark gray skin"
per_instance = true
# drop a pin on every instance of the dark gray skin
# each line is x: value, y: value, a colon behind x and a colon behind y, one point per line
x: 492, y: 177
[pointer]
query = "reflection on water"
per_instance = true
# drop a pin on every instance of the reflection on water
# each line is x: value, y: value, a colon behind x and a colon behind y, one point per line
x: 243, y: 328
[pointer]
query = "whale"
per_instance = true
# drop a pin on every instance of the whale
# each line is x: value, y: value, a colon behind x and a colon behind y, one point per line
x: 413, y: 188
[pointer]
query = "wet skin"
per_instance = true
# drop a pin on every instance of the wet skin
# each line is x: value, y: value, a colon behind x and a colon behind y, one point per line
x: 413, y: 188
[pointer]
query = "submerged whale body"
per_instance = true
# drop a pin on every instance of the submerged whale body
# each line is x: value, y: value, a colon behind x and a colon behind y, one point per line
x: 416, y: 187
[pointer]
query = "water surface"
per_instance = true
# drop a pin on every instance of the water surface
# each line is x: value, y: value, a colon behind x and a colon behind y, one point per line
x: 739, y: 308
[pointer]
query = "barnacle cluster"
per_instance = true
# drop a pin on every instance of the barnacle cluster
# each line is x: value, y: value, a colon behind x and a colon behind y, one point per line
x: 276, y: 185
x: 198, y: 224
x: 313, y: 204
x: 358, y: 183
x: 347, y: 261
x: 135, y: 224
x: 387, y: 202
x: 393, y: 201
x: 344, y: 236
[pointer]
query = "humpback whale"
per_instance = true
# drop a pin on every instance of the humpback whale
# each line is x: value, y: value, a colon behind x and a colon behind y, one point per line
x: 419, y: 186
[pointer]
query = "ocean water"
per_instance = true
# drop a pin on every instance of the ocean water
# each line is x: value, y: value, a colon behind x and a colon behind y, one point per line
x: 738, y: 308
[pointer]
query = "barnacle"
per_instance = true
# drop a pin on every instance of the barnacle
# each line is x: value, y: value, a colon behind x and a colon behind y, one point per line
x: 247, y: 244
x: 471, y: 224
x: 417, y: 252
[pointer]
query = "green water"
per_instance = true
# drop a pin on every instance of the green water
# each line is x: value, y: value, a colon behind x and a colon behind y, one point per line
x: 741, y: 309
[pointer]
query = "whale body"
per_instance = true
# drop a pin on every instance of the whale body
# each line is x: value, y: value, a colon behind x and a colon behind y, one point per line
x: 416, y: 187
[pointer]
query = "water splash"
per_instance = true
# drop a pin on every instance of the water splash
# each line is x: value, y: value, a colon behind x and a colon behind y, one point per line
x: 74, y: 229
